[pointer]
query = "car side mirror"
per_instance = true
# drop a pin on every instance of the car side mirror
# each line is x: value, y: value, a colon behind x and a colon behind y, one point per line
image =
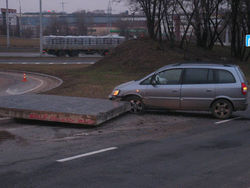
x: 153, y: 80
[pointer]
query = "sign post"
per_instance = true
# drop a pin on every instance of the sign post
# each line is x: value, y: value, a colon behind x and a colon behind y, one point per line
x: 7, y: 23
x: 248, y: 40
x: 41, y: 29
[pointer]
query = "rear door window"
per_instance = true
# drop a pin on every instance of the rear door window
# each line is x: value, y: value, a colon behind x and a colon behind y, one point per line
x: 197, y: 76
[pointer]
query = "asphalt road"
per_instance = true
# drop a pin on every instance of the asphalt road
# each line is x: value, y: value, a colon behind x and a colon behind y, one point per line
x: 153, y: 150
x: 34, y: 58
x: 12, y: 83
x: 157, y: 149
x: 85, y: 61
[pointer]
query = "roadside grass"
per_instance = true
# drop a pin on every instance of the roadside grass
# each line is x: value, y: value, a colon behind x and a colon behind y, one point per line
x: 130, y: 61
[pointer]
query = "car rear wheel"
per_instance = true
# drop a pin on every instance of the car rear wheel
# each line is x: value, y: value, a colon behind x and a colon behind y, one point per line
x: 222, y: 109
x: 137, y: 106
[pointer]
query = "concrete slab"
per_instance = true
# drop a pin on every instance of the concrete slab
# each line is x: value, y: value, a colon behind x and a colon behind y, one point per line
x: 75, y: 110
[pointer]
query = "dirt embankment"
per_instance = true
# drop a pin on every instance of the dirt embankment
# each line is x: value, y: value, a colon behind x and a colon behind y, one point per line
x: 146, y: 55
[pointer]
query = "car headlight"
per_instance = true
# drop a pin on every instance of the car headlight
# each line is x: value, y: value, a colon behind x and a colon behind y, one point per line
x: 116, y: 92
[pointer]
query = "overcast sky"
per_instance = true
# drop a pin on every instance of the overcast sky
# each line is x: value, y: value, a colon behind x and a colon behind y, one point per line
x: 70, y: 5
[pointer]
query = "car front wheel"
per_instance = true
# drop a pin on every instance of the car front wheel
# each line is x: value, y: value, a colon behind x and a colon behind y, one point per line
x: 137, y: 106
x: 222, y: 109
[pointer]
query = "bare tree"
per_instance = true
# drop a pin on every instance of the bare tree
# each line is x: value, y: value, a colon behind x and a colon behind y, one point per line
x: 207, y: 18
x: 28, y: 32
x: 206, y: 22
x: 58, y: 26
x: 169, y: 18
x: 151, y: 9
x: 53, y: 27
x: 82, y: 28
x: 240, y: 18
x: 123, y: 26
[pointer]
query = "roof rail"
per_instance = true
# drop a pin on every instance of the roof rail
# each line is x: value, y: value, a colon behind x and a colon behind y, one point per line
x: 177, y: 64
x: 227, y: 65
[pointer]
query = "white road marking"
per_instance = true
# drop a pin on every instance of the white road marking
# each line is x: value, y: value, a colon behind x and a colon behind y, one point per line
x: 86, y: 154
x: 51, y: 63
x: 4, y: 118
x: 67, y: 138
x: 15, y: 92
x: 24, y: 63
x: 227, y: 120
x: 83, y: 63
x: 10, y: 63
x: 64, y: 63
x: 37, y: 63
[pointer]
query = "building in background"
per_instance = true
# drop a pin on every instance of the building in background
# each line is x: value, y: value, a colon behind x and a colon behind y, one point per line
x: 84, y: 23
x: 13, y: 21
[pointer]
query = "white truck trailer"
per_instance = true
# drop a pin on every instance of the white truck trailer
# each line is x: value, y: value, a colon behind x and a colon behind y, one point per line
x: 73, y: 45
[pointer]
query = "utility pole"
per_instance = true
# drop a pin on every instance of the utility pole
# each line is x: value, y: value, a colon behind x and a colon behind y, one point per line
x: 20, y: 19
x: 41, y: 30
x: 109, y: 13
x: 7, y: 24
x: 63, y: 5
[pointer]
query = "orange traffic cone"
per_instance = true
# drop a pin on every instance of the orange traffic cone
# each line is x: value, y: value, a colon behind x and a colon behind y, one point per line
x: 24, y: 77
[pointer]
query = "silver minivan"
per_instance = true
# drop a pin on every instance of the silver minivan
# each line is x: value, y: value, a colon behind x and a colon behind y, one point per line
x: 220, y: 89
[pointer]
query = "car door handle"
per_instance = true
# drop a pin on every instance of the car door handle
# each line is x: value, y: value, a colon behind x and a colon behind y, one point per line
x: 174, y: 91
x: 209, y: 90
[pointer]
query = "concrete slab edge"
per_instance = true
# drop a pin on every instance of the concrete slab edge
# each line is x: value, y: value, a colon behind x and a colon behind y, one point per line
x: 103, y: 117
x: 49, y: 116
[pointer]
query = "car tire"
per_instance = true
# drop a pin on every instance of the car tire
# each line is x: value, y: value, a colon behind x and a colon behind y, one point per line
x: 222, y: 109
x: 73, y: 53
x: 61, y: 53
x: 137, y: 106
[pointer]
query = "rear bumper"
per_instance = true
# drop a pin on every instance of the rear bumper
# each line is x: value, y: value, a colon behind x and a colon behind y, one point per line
x: 240, y: 105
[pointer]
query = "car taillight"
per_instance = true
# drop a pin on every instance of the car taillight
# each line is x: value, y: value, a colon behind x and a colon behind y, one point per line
x: 243, y: 88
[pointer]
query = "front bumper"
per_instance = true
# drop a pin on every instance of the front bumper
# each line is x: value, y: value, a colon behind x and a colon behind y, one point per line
x: 112, y: 97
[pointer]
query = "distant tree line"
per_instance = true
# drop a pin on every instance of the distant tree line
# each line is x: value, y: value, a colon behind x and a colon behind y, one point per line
x: 204, y: 21
x: 60, y: 25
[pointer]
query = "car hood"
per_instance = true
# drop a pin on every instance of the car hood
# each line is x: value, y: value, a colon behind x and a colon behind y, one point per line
x: 125, y: 84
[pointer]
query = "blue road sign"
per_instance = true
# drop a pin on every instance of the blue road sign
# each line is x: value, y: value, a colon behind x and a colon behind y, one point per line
x: 247, y: 40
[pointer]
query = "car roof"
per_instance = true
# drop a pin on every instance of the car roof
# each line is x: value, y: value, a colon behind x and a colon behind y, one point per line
x: 197, y: 65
